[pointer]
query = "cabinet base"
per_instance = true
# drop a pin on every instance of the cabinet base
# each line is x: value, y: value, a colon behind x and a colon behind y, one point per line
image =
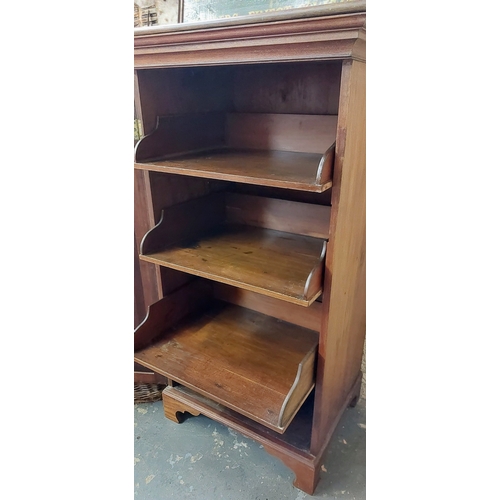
x: 291, y: 450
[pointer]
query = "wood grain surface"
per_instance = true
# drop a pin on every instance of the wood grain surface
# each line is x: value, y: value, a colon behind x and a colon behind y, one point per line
x: 343, y: 328
x: 257, y: 252
x: 245, y: 360
x: 270, y: 262
x: 282, y: 169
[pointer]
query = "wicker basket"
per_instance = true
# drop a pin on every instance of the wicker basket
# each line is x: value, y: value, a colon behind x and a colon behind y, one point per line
x: 147, y: 393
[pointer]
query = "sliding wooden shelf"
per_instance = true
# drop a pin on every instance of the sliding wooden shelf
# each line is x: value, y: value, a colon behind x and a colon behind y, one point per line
x: 283, y: 169
x: 256, y: 365
x: 196, y: 238
x: 285, y: 151
x: 273, y: 263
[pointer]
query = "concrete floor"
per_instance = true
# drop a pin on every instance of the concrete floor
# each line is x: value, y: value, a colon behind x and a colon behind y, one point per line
x: 203, y: 460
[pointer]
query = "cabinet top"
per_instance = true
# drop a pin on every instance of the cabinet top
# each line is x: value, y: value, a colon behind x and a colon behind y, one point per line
x: 335, y: 31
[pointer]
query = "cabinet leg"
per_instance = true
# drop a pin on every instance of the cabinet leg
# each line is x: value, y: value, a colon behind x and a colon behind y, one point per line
x: 306, y: 479
x: 174, y: 409
x: 306, y: 470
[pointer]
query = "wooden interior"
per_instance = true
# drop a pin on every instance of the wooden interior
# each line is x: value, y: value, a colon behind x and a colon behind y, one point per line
x: 250, y: 224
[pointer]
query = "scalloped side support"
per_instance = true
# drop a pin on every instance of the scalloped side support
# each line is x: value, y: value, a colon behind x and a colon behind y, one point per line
x: 325, y: 168
x: 184, y: 220
x: 300, y: 390
x: 315, y: 278
x: 168, y: 311
x: 178, y: 133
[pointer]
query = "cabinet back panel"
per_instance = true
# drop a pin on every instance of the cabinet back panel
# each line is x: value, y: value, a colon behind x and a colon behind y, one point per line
x: 301, y: 88
x: 281, y: 215
x: 258, y: 211
x: 324, y: 198
x: 308, y: 317
x: 168, y: 190
x: 310, y: 88
x: 281, y: 132
x: 171, y: 279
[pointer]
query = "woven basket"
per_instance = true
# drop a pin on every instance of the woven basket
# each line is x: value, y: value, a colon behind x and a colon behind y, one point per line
x: 147, y: 393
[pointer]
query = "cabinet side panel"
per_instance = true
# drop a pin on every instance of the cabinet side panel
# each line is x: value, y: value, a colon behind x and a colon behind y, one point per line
x: 167, y: 190
x: 343, y: 326
x: 181, y: 90
x: 171, y: 189
x: 139, y: 307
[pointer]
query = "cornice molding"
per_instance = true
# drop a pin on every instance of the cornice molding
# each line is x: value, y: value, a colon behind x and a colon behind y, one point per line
x: 311, y: 38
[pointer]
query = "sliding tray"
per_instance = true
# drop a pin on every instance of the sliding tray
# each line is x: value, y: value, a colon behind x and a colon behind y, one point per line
x: 256, y: 365
x: 280, y: 150
x: 199, y: 237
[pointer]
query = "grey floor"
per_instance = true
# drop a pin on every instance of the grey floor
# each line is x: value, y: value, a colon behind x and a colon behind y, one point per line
x: 201, y: 459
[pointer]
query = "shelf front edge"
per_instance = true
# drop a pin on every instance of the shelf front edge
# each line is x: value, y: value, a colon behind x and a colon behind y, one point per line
x: 276, y: 428
x: 299, y: 186
x: 301, y: 301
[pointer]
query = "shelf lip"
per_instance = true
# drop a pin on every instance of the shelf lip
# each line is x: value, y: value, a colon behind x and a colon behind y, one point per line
x: 232, y: 282
x: 255, y: 371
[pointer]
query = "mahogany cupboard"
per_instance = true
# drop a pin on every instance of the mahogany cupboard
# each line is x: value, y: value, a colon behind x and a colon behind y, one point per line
x: 250, y: 223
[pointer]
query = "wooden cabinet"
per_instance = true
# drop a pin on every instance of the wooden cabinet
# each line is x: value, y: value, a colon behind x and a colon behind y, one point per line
x: 250, y: 223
